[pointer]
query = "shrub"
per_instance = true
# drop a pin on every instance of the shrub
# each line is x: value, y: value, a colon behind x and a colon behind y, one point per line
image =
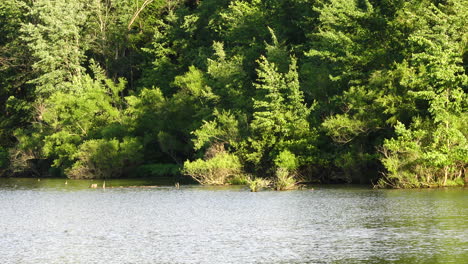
x: 287, y: 164
x: 102, y: 158
x: 284, y: 180
x: 215, y: 170
x: 257, y: 184
x: 239, y: 179
x: 287, y: 160
x: 426, y: 154
x: 456, y: 182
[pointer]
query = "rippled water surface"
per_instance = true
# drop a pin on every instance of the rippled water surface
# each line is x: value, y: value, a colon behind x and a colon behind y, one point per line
x: 50, y: 222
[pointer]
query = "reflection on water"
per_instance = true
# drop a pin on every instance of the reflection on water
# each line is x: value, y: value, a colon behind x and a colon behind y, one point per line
x: 73, y: 185
x: 51, y: 222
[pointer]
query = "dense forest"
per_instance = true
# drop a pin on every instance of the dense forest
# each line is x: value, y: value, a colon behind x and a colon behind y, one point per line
x: 284, y: 91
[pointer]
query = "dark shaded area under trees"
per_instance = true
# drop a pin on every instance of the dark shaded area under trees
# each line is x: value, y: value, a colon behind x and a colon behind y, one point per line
x: 304, y: 90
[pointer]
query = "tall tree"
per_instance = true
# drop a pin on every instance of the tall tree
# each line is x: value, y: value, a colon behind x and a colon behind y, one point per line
x: 55, y: 39
x: 280, y: 117
x: 433, y: 148
x: 15, y: 71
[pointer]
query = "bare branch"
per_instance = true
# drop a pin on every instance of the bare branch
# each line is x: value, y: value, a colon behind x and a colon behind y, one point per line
x: 137, y: 13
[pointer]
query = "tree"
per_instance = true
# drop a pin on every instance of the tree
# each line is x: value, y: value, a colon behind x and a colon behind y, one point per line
x: 434, y: 148
x: 55, y: 39
x: 279, y: 118
x: 78, y: 127
x: 16, y: 95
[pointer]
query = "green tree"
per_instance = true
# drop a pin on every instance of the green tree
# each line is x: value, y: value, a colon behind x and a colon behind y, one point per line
x: 280, y: 118
x: 229, y: 80
x: 77, y: 127
x: 55, y: 39
x: 437, y: 142
x: 104, y: 158
x: 16, y: 95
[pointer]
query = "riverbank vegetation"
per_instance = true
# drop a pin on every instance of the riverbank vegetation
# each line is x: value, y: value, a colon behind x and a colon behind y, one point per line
x: 283, y: 90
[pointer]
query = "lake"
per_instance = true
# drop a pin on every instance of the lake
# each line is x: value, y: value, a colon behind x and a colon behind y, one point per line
x: 49, y: 221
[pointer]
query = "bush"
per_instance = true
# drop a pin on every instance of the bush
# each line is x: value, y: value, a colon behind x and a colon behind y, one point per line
x: 287, y: 160
x: 216, y: 170
x: 456, y: 182
x: 284, y: 180
x: 240, y: 179
x: 257, y: 184
x: 287, y: 164
x: 103, y: 158
x: 426, y: 154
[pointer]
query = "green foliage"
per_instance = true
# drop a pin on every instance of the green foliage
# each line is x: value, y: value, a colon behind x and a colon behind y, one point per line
x: 27, y: 150
x: 4, y: 160
x: 331, y: 90
x: 229, y: 79
x: 113, y: 39
x: 144, y: 111
x: 424, y: 155
x: 433, y: 150
x: 158, y: 170
x: 74, y: 117
x: 241, y: 22
x: 343, y: 129
x: 287, y: 166
x: 239, y: 179
x: 277, y: 53
x: 216, y: 170
x: 258, y: 184
x: 16, y: 95
x: 280, y: 118
x: 102, y: 158
x: 62, y: 146
x: 56, y: 43
x: 349, y: 50
x: 284, y: 180
x: 193, y: 83
x: 224, y: 129
x: 287, y: 160
x: 344, y: 38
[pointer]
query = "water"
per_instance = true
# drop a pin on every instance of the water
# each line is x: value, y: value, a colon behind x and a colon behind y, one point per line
x: 50, y: 222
